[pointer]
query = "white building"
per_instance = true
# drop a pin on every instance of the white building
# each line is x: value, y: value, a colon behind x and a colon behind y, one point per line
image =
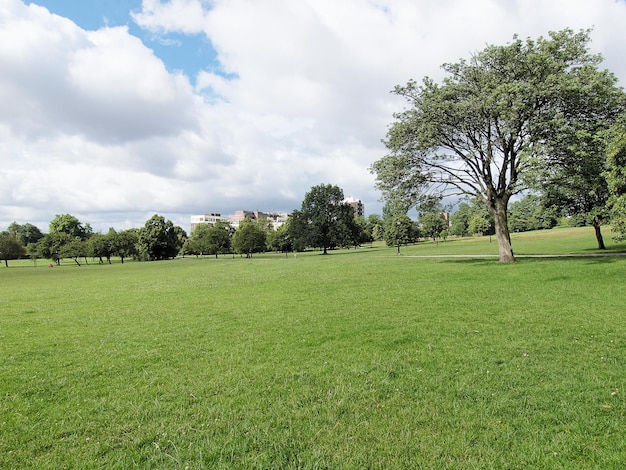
x: 210, y: 218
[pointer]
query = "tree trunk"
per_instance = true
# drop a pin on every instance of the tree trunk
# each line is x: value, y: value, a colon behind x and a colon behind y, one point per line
x: 596, y: 227
x: 498, y: 210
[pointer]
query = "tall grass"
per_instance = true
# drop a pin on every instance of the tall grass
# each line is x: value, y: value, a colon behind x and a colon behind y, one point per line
x: 359, y: 359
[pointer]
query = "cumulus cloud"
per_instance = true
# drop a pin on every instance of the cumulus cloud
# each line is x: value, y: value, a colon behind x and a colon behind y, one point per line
x: 93, y: 123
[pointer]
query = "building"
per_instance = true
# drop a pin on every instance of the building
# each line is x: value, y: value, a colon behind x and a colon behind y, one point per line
x: 276, y: 218
x: 210, y: 218
x: 357, y: 205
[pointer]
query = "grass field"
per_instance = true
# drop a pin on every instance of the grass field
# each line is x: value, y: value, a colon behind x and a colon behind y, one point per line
x: 358, y: 359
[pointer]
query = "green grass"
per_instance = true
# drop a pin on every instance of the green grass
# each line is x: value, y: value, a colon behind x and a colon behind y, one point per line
x: 579, y: 240
x: 359, y: 359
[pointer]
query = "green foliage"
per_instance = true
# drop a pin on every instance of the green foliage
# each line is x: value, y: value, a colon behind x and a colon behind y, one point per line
x: 124, y: 243
x: 324, y: 220
x: 478, y: 224
x: 101, y: 246
x: 51, y: 245
x: 461, y: 220
x: 26, y: 233
x: 159, y: 239
x: 484, y: 127
x: 69, y: 225
x: 74, y: 249
x: 529, y: 213
x: 400, y: 230
x: 616, y: 177
x: 10, y: 248
x: 432, y: 224
x: 376, y: 227
x: 279, y: 239
x: 572, y: 179
x: 250, y: 237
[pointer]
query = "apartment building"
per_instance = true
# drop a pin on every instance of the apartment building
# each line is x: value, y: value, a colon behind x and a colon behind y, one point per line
x: 357, y: 205
x: 277, y: 218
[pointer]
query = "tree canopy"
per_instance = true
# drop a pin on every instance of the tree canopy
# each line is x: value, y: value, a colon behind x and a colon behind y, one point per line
x: 159, y: 239
x: 26, y: 233
x: 70, y: 225
x: 324, y: 220
x: 490, y: 122
x: 10, y: 248
x: 616, y: 177
x: 249, y: 238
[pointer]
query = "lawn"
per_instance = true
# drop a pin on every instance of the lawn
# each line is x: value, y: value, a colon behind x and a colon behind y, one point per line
x: 358, y: 359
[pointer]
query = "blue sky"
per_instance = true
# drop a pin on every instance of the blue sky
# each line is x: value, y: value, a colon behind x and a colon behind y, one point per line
x: 114, y: 110
x: 188, y: 52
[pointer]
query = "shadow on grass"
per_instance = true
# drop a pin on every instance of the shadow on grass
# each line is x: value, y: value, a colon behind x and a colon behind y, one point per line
x: 528, y: 259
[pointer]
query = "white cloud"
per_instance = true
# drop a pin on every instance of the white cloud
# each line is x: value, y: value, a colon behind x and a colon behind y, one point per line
x: 185, y: 16
x: 93, y: 123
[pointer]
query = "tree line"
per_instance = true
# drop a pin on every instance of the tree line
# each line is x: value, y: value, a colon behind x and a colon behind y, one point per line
x: 324, y: 222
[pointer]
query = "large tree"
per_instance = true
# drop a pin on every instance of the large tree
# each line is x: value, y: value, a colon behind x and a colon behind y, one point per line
x: 573, y: 177
x: 324, y: 220
x: 159, y: 239
x: 486, y: 126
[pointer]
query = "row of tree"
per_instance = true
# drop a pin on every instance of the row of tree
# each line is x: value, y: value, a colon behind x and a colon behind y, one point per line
x: 69, y: 238
x: 323, y: 222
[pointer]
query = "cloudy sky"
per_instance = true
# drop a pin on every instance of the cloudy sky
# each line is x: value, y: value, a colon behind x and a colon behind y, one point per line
x: 114, y: 110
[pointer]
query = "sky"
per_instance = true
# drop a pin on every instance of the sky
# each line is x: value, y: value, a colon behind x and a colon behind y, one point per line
x: 116, y: 110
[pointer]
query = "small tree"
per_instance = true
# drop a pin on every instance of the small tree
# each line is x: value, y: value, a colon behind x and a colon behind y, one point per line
x: 279, y: 239
x: 432, y: 225
x: 400, y: 231
x: 74, y: 249
x: 478, y: 224
x: 529, y: 213
x: 220, y: 238
x: 10, y: 248
x: 249, y: 238
x: 124, y: 243
x: 101, y: 246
